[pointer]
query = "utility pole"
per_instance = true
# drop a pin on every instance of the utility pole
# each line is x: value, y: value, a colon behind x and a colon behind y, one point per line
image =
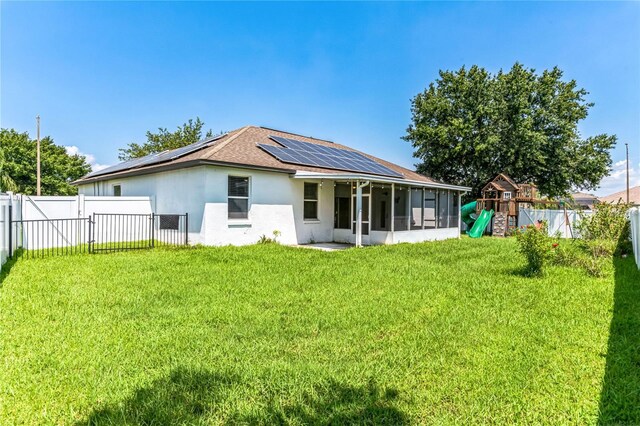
x: 627, y: 148
x: 38, y: 156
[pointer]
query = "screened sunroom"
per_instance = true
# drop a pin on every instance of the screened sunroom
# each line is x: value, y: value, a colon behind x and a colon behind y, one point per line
x: 377, y: 210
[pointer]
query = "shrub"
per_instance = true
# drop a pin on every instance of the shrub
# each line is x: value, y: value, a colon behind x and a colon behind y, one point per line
x: 604, y: 234
x: 536, y: 246
x: 594, y: 257
x: 608, y: 222
x: 270, y: 240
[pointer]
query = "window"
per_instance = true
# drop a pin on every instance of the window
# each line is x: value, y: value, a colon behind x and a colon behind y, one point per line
x: 454, y: 209
x: 430, y: 208
x: 416, y: 208
x: 381, y: 208
x: 117, y: 190
x: 238, y: 198
x: 506, y: 195
x: 401, y: 216
x: 443, y: 208
x: 342, y: 212
x: 310, y: 201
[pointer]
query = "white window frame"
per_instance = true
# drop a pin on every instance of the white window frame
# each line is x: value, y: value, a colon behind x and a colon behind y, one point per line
x: 248, y: 198
x: 504, y: 195
x: 113, y: 189
x: 317, y: 201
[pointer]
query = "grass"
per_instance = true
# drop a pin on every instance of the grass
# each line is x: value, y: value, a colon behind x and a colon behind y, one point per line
x: 446, y: 332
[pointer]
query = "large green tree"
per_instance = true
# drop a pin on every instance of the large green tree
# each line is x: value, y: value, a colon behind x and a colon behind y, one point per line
x: 6, y: 183
x: 469, y: 125
x: 190, y: 132
x: 58, y: 168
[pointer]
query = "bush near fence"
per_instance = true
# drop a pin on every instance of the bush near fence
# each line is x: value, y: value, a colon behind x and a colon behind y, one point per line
x: 604, y: 234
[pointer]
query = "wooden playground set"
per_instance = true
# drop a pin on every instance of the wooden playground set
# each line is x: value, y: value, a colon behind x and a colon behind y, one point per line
x: 501, y: 201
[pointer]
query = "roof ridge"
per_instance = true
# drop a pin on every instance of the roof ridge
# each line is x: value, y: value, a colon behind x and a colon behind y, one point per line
x: 222, y: 144
x: 291, y: 133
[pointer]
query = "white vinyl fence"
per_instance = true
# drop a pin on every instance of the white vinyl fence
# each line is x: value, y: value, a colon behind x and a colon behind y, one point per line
x: 562, y: 221
x: 634, y: 216
x: 6, y: 201
x: 57, y: 217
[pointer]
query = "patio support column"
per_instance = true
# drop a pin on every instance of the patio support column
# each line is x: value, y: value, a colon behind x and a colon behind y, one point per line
x: 359, y: 187
x: 422, y: 204
x: 393, y: 207
x: 358, y: 214
x: 459, y: 213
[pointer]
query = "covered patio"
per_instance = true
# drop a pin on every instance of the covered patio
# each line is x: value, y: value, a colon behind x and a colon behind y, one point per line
x: 383, y: 210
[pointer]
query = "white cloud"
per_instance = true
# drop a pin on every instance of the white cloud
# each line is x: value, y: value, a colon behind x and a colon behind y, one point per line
x: 91, y: 159
x: 617, y: 179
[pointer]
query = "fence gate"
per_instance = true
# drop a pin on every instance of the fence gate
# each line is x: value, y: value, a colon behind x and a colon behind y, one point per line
x: 102, y: 232
x: 49, y: 237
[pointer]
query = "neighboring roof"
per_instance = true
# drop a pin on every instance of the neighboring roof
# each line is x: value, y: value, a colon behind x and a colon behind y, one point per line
x: 583, y: 196
x: 582, y: 199
x: 239, y: 148
x: 634, y: 196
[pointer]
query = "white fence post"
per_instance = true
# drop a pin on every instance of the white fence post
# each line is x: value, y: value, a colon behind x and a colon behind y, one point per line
x: 80, y: 205
x: 634, y: 217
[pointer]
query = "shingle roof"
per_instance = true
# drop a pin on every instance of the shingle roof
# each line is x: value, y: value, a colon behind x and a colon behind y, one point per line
x: 506, y: 179
x: 239, y: 148
x: 634, y: 196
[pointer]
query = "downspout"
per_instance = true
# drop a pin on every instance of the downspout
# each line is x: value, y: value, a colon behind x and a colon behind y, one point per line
x: 359, y: 187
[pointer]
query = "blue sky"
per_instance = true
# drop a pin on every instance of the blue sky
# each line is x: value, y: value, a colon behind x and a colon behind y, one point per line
x: 102, y: 74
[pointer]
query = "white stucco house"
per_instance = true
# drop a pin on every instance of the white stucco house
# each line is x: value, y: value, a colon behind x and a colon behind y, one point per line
x: 252, y: 181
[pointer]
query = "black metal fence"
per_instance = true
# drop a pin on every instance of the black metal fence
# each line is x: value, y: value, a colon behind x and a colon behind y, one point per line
x: 48, y: 237
x: 102, y: 232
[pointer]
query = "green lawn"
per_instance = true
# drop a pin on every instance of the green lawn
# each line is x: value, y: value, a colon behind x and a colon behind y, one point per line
x: 445, y: 332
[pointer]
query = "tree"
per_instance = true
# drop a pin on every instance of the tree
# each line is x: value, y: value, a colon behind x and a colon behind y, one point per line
x: 58, y: 168
x: 6, y: 183
x: 190, y: 132
x: 470, y: 125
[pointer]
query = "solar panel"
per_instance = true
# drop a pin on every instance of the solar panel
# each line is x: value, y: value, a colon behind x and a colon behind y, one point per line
x: 309, y: 154
x: 159, y: 157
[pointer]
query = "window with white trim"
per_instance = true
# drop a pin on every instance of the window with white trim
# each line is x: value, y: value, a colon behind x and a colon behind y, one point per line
x: 506, y: 195
x: 310, y: 201
x: 238, y: 197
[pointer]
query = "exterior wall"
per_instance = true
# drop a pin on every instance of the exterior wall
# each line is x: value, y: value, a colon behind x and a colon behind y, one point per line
x: 344, y: 236
x: 381, y: 237
x: 275, y: 203
x: 420, y: 235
